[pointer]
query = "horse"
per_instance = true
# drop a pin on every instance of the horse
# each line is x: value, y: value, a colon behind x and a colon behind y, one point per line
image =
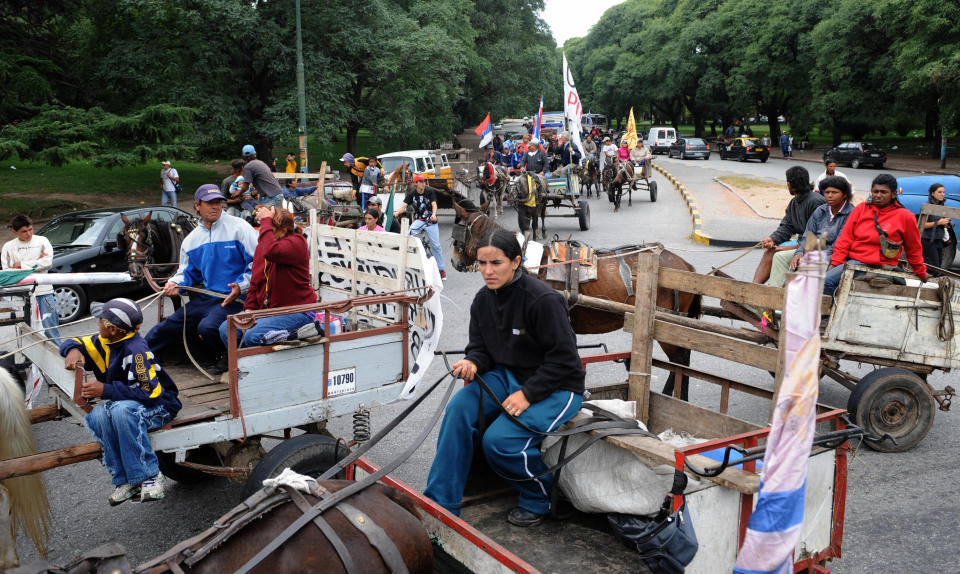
x: 518, y: 191
x: 493, y: 181
x: 625, y: 175
x: 606, y: 178
x: 609, y: 285
x: 589, y: 177
x: 147, y: 241
x: 23, y: 501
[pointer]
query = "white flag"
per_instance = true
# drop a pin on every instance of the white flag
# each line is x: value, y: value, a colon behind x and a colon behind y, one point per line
x: 572, y: 108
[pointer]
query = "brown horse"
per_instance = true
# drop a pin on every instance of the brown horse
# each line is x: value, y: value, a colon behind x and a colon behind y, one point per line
x: 519, y: 192
x: 589, y: 177
x: 609, y: 285
x: 624, y: 176
x: 148, y: 241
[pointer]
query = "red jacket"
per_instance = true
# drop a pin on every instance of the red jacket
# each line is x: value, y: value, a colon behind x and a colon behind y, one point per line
x: 860, y: 241
x: 280, y: 275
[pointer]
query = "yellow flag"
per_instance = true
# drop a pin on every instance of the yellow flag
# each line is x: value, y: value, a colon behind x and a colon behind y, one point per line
x: 631, y: 136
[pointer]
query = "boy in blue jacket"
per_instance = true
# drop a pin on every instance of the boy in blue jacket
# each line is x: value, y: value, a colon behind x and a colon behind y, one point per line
x: 139, y: 396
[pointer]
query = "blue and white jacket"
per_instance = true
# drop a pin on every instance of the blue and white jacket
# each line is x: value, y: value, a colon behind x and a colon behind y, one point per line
x: 213, y: 258
x: 127, y: 370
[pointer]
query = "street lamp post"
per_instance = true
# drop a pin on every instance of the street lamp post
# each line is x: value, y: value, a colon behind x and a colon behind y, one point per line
x: 301, y: 96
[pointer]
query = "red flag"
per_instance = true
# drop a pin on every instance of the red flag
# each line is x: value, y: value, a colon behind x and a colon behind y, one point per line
x: 484, y: 125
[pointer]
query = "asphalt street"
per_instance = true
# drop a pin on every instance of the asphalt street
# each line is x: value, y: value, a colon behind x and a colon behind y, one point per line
x: 900, y: 514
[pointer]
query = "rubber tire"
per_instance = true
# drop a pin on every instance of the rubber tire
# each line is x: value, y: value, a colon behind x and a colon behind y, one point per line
x: 855, y: 164
x: 203, y: 455
x: 763, y: 160
x: 882, y: 387
x: 583, y: 216
x: 74, y: 298
x: 653, y: 192
x: 950, y: 251
x: 310, y: 454
x: 742, y: 156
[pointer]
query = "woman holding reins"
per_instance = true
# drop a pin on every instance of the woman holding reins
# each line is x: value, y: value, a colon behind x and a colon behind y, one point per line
x: 523, y: 347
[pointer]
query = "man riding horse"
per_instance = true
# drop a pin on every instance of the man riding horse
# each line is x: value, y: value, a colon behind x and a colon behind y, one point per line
x: 533, y: 186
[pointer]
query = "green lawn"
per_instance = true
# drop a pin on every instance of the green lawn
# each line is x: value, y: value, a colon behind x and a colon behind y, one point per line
x: 332, y: 152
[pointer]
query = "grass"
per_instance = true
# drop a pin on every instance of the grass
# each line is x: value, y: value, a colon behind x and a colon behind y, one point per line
x: 748, y: 183
x: 332, y: 152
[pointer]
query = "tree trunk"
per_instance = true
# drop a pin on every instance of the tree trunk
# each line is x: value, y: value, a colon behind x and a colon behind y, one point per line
x: 352, y: 129
x: 836, y: 131
x: 774, y: 126
x: 699, y: 123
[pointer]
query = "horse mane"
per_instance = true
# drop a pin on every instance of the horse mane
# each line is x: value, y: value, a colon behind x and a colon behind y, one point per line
x: 28, y: 500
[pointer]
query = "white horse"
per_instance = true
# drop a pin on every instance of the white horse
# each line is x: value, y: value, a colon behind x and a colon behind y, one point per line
x: 23, y: 502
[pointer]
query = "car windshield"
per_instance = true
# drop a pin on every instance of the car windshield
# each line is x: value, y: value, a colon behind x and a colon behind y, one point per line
x: 695, y: 141
x: 751, y: 142
x: 870, y: 147
x: 392, y: 163
x: 74, y: 230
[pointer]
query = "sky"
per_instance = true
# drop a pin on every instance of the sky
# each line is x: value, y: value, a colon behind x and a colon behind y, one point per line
x: 570, y: 19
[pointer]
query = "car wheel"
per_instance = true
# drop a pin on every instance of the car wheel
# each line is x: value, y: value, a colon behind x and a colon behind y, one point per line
x: 763, y: 160
x: 855, y: 164
x: 742, y: 157
x: 71, y: 302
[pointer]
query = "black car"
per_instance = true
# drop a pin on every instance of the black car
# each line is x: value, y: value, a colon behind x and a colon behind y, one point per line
x: 689, y: 147
x: 856, y: 154
x: 744, y: 148
x: 88, y: 241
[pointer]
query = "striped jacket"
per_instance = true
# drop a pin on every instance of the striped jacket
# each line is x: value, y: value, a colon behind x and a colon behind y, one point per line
x: 215, y: 257
x: 127, y: 370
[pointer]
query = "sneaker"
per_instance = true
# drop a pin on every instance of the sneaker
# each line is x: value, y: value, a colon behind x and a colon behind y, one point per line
x: 443, y: 274
x: 123, y: 493
x: 152, y: 489
x: 220, y: 367
x: 521, y: 517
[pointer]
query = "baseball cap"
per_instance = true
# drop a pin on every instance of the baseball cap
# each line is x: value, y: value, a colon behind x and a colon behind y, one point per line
x: 347, y: 157
x: 207, y: 192
x: 375, y: 200
x: 419, y: 177
x: 122, y: 312
x: 249, y: 150
x: 167, y: 162
x: 606, y: 138
x: 534, y: 140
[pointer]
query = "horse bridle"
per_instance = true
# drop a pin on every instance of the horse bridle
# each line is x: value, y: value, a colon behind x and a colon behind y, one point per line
x: 135, y: 255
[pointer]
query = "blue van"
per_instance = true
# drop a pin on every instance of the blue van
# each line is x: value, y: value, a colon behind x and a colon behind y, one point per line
x: 913, y: 194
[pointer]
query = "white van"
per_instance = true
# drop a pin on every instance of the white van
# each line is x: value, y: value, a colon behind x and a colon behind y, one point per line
x: 659, y: 139
x: 421, y: 161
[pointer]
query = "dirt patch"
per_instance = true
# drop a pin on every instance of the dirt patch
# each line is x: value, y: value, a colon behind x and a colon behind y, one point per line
x: 52, y: 204
x: 768, y: 198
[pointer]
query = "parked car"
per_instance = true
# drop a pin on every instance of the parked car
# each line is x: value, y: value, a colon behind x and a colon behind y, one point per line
x: 88, y: 241
x: 857, y: 154
x: 689, y: 147
x: 744, y: 148
x: 913, y: 194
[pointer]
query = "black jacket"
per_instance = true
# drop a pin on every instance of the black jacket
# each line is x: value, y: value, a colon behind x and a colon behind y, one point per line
x: 536, y: 163
x: 524, y: 327
x: 799, y: 210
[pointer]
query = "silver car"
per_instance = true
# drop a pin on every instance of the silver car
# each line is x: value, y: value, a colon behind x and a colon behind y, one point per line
x: 685, y: 148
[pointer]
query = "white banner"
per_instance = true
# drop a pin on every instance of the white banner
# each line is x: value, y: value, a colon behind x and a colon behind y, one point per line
x: 379, y: 254
x: 572, y: 107
x: 76, y: 278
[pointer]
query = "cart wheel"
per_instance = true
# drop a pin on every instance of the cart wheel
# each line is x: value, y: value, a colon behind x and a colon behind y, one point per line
x: 892, y: 401
x: 203, y: 455
x: 653, y: 192
x: 584, y: 215
x: 308, y: 454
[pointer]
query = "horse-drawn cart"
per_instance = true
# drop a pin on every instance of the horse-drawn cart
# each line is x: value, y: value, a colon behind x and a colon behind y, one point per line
x: 376, y: 326
x: 563, y: 191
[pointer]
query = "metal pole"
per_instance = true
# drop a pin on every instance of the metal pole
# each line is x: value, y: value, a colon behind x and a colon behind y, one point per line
x: 301, y: 97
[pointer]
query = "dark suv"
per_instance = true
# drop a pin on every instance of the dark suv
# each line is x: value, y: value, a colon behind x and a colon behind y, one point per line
x: 856, y: 154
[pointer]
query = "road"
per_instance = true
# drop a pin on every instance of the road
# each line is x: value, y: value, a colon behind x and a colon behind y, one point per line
x: 900, y: 508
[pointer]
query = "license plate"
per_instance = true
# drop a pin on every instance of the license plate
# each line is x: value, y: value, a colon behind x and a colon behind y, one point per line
x: 874, y: 155
x: 342, y: 381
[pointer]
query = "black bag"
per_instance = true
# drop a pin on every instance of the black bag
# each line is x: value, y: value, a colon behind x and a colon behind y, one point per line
x: 177, y: 188
x: 666, y: 542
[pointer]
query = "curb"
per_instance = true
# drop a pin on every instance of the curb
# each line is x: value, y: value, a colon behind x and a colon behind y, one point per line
x: 698, y: 235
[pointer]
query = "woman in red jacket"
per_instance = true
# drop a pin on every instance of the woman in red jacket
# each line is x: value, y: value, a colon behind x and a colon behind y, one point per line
x: 861, y: 242
x: 280, y: 277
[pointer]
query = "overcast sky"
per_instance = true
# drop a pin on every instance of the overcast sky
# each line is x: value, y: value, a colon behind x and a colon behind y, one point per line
x: 573, y: 18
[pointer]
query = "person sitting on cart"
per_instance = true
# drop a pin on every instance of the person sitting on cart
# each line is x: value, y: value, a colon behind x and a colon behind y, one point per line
x: 623, y: 152
x: 802, y: 205
x: 589, y: 147
x: 535, y: 160
x: 641, y: 156
x: 138, y: 396
x: 567, y: 152
x: 280, y: 277
x: 608, y: 155
x: 876, y: 234
x: 516, y: 158
x: 215, y: 256
x: 376, y: 205
x: 522, y: 345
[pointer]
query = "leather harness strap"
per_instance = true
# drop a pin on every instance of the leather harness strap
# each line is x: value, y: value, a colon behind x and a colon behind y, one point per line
x: 377, y: 537
x: 342, y: 551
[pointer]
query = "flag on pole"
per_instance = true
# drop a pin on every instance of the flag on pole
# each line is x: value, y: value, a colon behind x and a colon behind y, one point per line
x: 774, y: 528
x: 572, y: 107
x: 536, y: 127
x: 485, y: 131
x: 631, y: 136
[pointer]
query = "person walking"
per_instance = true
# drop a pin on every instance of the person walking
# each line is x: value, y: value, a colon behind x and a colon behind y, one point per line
x: 30, y: 251
x: 424, y: 203
x: 169, y: 181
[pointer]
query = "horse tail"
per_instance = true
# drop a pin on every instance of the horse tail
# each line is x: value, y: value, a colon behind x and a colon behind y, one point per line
x: 28, y: 500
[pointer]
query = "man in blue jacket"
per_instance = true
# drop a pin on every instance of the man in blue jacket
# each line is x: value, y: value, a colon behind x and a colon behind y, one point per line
x: 216, y: 256
x: 139, y: 396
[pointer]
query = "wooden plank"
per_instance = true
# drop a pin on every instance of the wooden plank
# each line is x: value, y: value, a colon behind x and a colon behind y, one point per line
x: 193, y: 413
x: 671, y: 413
x: 354, y: 276
x: 940, y: 210
x: 735, y: 332
x: 34, y: 463
x: 641, y: 353
x: 44, y: 413
x: 196, y: 390
x: 370, y: 252
x: 717, y: 345
x: 214, y: 398
x: 763, y: 296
